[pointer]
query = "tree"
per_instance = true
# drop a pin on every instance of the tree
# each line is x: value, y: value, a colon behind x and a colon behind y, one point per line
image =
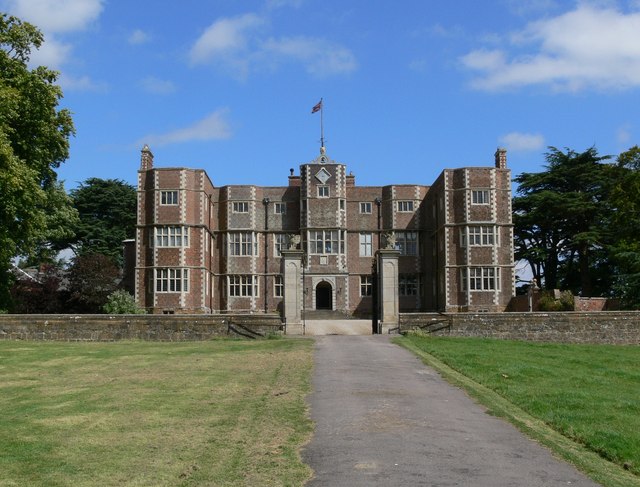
x: 558, y: 218
x: 625, y: 223
x: 61, y: 223
x: 34, y: 141
x: 92, y: 278
x: 107, y: 216
x: 39, y: 293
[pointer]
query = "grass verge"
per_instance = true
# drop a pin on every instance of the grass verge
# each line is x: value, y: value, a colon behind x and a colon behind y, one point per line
x: 582, y: 401
x: 223, y: 412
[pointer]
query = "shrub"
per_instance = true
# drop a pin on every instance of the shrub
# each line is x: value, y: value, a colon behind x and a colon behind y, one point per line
x: 567, y: 301
x: 548, y: 302
x: 120, y: 302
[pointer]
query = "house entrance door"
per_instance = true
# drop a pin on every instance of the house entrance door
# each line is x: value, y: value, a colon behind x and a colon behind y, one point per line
x: 324, y: 298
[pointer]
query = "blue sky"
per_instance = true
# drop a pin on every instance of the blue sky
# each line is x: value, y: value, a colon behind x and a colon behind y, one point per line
x: 410, y: 87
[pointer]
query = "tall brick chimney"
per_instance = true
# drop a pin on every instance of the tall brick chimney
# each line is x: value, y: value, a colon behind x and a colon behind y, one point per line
x: 501, y: 158
x: 146, y: 158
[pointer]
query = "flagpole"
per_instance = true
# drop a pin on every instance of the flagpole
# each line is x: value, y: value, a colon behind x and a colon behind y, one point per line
x: 319, y: 107
x: 321, y: 125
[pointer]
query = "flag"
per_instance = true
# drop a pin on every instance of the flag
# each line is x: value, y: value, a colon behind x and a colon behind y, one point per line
x: 317, y: 107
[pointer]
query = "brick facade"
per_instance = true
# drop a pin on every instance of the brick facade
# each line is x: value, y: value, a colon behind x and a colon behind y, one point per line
x: 207, y: 249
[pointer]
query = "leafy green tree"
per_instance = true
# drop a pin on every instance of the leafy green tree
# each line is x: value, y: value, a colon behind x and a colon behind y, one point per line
x: 122, y: 303
x: 107, y: 216
x: 558, y: 217
x: 61, y: 222
x: 34, y: 141
x: 625, y: 223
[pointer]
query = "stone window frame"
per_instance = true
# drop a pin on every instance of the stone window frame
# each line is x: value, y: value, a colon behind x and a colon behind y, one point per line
x: 365, y: 245
x: 480, y: 196
x: 322, y: 189
x: 405, y: 206
x: 242, y: 286
x: 366, y: 286
x: 479, y: 236
x: 280, y: 242
x: 280, y: 208
x: 240, y: 206
x: 170, y: 236
x: 170, y: 197
x: 407, y: 242
x: 278, y: 286
x: 172, y: 280
x: 480, y: 279
x: 325, y: 239
x: 242, y: 244
x: 366, y: 207
x: 408, y: 285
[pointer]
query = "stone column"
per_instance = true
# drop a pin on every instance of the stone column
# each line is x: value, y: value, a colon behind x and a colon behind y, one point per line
x: 292, y: 275
x: 388, y: 288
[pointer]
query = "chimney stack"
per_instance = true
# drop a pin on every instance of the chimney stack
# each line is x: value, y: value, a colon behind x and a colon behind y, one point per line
x: 501, y: 158
x: 146, y: 158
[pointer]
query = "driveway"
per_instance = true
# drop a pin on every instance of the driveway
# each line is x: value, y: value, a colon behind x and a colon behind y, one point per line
x: 337, y: 327
x: 385, y: 419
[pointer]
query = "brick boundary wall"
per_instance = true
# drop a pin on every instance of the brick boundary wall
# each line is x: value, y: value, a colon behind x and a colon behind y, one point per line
x: 107, y: 328
x: 613, y: 327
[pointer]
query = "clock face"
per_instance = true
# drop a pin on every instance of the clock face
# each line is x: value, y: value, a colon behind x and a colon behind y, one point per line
x: 323, y: 175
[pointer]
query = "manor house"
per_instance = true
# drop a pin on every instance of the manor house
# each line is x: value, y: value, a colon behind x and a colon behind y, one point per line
x: 202, y: 248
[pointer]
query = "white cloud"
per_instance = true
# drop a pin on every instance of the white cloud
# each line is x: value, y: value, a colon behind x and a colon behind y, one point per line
x: 82, y: 83
x: 588, y: 47
x: 519, y: 142
x: 320, y: 58
x: 213, y: 127
x: 529, y: 7
x: 418, y: 65
x: 138, y: 36
x: 57, y: 16
x: 284, y: 3
x: 53, y: 53
x: 224, y: 37
x: 157, y: 86
x: 623, y: 134
x: 236, y: 44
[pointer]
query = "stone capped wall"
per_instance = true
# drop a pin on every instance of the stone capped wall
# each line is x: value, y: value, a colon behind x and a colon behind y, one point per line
x: 103, y: 328
x: 614, y: 327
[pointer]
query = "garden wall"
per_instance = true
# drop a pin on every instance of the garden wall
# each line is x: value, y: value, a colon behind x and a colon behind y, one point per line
x: 616, y: 327
x: 135, y: 327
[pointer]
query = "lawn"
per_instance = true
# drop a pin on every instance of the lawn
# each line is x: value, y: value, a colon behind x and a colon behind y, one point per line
x: 588, y: 393
x: 224, y: 412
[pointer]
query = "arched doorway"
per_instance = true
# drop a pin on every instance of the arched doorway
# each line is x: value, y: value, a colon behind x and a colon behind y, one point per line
x: 324, y: 295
